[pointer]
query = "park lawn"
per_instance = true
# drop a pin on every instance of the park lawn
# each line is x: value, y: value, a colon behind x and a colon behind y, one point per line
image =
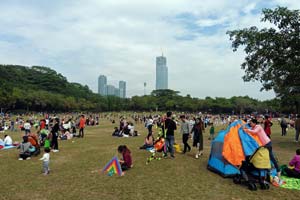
x: 74, y: 172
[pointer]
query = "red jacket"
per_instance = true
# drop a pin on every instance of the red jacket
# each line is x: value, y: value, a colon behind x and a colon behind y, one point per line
x: 82, y: 123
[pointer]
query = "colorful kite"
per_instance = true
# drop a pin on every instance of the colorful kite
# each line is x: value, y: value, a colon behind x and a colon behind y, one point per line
x: 113, y: 167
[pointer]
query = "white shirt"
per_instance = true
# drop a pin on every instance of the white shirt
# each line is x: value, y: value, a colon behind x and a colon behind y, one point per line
x: 46, y: 157
x: 7, y: 140
x: 27, y: 126
x: 131, y: 128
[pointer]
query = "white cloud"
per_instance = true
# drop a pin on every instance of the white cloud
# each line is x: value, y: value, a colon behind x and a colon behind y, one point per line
x: 83, y: 39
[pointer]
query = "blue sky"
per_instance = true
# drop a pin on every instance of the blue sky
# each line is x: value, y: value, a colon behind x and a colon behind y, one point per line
x: 119, y: 38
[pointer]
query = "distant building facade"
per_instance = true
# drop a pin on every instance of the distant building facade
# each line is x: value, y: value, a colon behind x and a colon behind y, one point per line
x: 102, y: 84
x: 105, y: 90
x: 122, y: 88
x: 161, y: 73
x: 111, y: 90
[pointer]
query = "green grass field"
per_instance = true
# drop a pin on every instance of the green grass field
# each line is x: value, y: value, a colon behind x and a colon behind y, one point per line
x: 73, y: 173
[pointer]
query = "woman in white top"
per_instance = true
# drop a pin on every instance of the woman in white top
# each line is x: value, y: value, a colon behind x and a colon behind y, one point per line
x: 7, y: 140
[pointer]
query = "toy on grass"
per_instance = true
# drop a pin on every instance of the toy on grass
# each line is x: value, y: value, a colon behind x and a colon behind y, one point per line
x: 113, y: 167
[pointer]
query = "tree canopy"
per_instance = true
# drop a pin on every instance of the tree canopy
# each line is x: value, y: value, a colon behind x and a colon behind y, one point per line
x: 43, y: 89
x: 273, y: 54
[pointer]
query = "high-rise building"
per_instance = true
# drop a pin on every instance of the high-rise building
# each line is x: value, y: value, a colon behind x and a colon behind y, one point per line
x: 111, y: 90
x: 161, y: 73
x: 102, y: 83
x: 117, y: 92
x: 122, y: 88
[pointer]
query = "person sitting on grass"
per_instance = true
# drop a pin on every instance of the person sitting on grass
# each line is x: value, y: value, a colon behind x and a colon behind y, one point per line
x: 25, y: 149
x: 149, y: 141
x: 295, y: 162
x: 7, y: 140
x: 126, y: 161
x: 116, y: 132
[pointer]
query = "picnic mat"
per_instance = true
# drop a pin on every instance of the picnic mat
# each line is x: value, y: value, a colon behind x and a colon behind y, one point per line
x: 8, y: 147
x: 291, y: 183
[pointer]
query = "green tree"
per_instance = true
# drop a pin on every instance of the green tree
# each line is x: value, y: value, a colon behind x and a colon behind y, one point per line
x: 273, y: 54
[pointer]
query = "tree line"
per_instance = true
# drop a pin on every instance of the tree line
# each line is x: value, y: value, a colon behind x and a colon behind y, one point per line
x: 39, y: 88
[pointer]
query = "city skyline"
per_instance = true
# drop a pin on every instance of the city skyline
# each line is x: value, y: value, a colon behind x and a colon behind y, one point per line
x: 120, y: 39
x: 105, y: 89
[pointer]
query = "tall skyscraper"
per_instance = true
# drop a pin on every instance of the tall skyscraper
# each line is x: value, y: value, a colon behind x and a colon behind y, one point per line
x: 161, y: 73
x: 122, y: 87
x: 102, y: 84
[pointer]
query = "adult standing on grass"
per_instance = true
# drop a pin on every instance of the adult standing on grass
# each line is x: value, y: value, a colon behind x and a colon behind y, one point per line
x: 54, y: 133
x: 297, y: 127
x: 283, y: 125
x: 267, y: 126
x: 27, y: 127
x: 264, y: 139
x: 170, y: 127
x: 184, y: 130
x: 198, y: 130
x: 81, y: 126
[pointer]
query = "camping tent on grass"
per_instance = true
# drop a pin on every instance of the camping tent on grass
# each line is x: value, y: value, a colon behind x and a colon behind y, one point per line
x: 230, y: 148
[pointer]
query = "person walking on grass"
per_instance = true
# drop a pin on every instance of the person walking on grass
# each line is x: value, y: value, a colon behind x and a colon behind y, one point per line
x: 198, y: 130
x: 283, y: 125
x: 170, y: 127
x: 81, y: 126
x: 46, y: 160
x: 184, y: 130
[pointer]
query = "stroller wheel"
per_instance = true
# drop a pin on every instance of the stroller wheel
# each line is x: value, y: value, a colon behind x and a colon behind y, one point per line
x: 237, y: 180
x: 252, y: 186
x: 264, y: 186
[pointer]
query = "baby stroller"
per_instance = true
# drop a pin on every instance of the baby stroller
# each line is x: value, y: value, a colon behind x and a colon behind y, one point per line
x: 159, y: 146
x: 255, y: 169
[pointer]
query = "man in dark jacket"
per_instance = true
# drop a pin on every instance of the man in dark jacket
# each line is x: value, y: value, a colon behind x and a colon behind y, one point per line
x: 170, y: 127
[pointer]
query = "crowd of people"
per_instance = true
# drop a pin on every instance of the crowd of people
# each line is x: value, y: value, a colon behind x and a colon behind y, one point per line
x: 44, y: 131
x: 48, y: 130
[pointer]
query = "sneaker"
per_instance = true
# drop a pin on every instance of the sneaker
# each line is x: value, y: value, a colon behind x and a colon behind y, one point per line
x: 28, y: 158
x: 55, y: 150
x: 20, y: 159
x: 197, y: 156
x: 172, y: 156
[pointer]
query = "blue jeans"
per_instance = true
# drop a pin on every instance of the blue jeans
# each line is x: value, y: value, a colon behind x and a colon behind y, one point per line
x: 169, y: 144
x: 46, y: 167
x: 272, y: 158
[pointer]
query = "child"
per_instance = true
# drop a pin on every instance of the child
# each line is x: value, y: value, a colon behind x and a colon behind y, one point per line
x: 295, y: 162
x: 212, y: 132
x: 126, y: 161
x: 46, y: 160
